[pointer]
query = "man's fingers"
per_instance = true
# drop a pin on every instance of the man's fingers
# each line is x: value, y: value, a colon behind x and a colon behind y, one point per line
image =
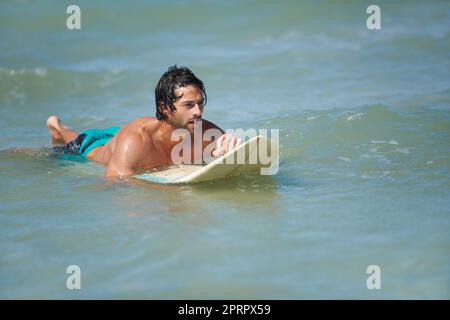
x: 219, y: 143
x: 231, y: 143
x: 220, y: 146
x: 226, y: 143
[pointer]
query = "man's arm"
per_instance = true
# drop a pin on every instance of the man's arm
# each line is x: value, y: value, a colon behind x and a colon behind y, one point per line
x: 126, y: 157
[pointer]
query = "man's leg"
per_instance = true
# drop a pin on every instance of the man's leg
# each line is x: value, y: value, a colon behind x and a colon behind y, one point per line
x: 60, y: 133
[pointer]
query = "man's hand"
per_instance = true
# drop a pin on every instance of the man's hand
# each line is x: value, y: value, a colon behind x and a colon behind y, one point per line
x: 225, y: 143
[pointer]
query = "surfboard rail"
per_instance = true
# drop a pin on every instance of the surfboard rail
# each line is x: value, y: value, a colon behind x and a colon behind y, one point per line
x: 222, y: 167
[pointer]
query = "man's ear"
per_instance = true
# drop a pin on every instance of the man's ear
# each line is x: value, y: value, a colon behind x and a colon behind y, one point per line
x: 164, y: 110
x: 167, y: 111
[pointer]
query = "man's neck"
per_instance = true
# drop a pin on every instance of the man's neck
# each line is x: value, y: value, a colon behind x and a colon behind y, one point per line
x: 163, y: 136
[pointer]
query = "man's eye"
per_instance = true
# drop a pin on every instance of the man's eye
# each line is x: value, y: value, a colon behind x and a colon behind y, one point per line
x: 192, y: 105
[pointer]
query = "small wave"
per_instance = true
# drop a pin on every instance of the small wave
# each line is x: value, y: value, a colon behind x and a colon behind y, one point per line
x: 28, y: 152
x: 376, y: 137
x: 290, y: 38
x: 403, y: 150
x: 40, y: 72
x: 357, y: 116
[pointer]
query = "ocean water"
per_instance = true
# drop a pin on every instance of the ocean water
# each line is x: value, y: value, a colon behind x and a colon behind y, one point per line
x: 364, y: 120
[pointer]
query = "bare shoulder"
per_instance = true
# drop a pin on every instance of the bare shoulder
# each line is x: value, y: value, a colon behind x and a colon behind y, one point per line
x: 134, y: 136
x: 126, y: 156
x: 139, y: 126
x: 130, y: 144
x: 142, y: 123
x: 131, y: 147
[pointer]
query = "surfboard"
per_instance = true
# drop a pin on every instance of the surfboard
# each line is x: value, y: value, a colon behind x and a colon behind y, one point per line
x: 243, y: 159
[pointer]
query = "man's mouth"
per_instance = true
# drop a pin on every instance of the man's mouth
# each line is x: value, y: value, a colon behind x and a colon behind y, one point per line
x: 194, y: 121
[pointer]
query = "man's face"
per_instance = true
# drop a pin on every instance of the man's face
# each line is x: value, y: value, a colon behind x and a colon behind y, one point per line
x: 189, y: 108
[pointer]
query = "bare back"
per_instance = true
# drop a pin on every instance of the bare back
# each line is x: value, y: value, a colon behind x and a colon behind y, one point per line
x: 138, y: 146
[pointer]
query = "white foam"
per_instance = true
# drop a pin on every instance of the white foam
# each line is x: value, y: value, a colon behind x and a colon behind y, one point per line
x: 404, y: 150
x: 40, y: 72
x: 357, y: 116
x: 345, y: 159
x: 115, y: 70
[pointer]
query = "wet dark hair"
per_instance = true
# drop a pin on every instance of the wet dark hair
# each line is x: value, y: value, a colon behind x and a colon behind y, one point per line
x: 174, y: 78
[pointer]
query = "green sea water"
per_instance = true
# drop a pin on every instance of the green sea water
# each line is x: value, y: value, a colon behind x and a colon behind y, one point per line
x: 364, y: 178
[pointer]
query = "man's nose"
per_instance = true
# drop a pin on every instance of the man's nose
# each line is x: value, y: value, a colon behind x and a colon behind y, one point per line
x: 197, y: 111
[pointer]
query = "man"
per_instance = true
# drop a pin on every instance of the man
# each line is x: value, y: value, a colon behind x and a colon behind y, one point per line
x: 148, y: 142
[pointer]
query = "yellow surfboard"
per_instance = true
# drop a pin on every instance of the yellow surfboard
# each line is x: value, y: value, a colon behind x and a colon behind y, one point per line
x: 245, y: 158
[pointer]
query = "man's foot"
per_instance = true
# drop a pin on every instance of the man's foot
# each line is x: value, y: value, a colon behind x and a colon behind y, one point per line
x: 55, y: 125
